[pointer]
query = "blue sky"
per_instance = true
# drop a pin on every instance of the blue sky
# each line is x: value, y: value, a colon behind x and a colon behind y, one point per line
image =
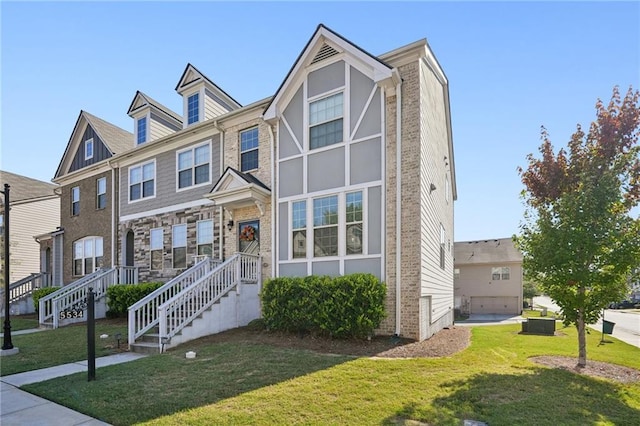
x: 512, y: 67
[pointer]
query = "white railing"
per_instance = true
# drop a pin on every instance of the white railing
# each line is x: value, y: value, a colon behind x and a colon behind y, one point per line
x: 25, y: 286
x: 184, y: 307
x: 74, y: 295
x: 143, y: 315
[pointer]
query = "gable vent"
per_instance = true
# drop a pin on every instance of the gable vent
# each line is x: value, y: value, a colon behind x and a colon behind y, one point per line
x: 325, y: 52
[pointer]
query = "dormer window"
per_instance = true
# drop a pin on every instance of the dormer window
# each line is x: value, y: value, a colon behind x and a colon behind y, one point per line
x: 88, y: 149
x: 193, y: 108
x: 141, y: 130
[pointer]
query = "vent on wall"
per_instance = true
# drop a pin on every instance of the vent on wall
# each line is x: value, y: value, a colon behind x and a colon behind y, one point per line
x: 325, y: 52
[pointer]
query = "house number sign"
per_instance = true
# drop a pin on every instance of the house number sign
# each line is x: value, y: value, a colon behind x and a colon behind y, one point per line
x: 75, y: 312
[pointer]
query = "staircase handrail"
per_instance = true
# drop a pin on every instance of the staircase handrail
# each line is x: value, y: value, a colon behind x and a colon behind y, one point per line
x: 45, y: 304
x: 24, y: 286
x: 184, y: 307
x: 143, y: 315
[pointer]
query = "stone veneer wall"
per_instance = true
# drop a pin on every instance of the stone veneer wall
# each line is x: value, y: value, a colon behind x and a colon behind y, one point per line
x: 141, y: 230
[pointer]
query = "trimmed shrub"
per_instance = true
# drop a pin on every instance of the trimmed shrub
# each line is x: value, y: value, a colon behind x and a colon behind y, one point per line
x: 345, y: 307
x: 120, y: 297
x: 40, y: 293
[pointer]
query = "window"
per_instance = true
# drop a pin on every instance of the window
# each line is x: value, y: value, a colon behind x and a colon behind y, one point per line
x: 501, y: 273
x: 193, y: 166
x: 88, y: 149
x: 101, y: 193
x: 204, y: 238
x: 442, y: 243
x: 156, y: 245
x: 456, y: 273
x: 325, y: 226
x: 75, y: 201
x: 87, y: 255
x: 354, y: 223
x: 141, y: 130
x: 299, y: 228
x: 142, y: 181
x: 249, y: 149
x: 325, y: 121
x: 193, y: 107
x: 179, y: 246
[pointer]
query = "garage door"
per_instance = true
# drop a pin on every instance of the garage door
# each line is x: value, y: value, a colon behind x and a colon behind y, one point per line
x: 494, y: 305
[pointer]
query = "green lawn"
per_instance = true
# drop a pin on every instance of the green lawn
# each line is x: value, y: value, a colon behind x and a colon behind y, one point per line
x: 20, y: 322
x: 242, y: 383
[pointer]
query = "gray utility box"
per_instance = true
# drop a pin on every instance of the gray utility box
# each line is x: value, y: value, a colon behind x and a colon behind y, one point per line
x: 539, y: 326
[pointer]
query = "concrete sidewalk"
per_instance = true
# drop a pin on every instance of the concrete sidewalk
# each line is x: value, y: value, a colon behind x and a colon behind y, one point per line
x: 20, y: 408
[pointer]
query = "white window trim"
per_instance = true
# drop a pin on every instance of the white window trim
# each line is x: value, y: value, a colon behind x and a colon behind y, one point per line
x: 151, y: 249
x: 82, y: 241
x: 307, y: 123
x: 257, y: 148
x: 93, y: 147
x: 193, y: 148
x: 185, y: 100
x: 155, y: 181
x: 98, y: 193
x: 75, y: 201
x: 213, y: 236
x: 173, y: 246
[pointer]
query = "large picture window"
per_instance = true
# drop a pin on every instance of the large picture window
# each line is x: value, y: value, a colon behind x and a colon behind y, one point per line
x: 87, y: 255
x: 75, y: 201
x: 325, y: 121
x: 179, y: 246
x: 142, y: 181
x: 101, y: 193
x: 249, y: 149
x: 354, y: 223
x: 204, y: 238
x: 299, y: 228
x: 325, y: 226
x: 193, y: 108
x: 193, y: 166
x: 156, y: 246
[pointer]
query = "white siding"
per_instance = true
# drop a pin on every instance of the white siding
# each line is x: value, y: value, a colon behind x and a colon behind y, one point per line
x: 157, y: 130
x: 436, y: 282
x: 26, y: 220
x: 212, y: 109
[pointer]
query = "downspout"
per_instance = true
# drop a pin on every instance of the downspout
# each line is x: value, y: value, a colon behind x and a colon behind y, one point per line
x: 113, y: 213
x: 272, y: 148
x: 221, y: 209
x: 398, y: 198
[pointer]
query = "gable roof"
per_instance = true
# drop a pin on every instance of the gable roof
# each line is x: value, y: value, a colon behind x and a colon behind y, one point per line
x: 141, y: 100
x: 325, y: 43
x: 22, y: 188
x: 231, y: 174
x: 494, y: 251
x: 191, y: 76
x: 116, y: 140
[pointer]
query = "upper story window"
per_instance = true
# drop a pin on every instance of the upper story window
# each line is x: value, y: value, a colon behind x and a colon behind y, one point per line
x: 88, y: 149
x: 325, y: 121
x: 193, y: 108
x: 325, y: 226
x: 354, y: 222
x: 299, y: 228
x: 249, y: 149
x: 501, y: 273
x: 101, y: 193
x: 142, y: 180
x: 456, y: 273
x: 156, y: 243
x: 194, y: 166
x: 75, y: 201
x: 141, y: 130
x: 87, y: 255
x: 443, y: 241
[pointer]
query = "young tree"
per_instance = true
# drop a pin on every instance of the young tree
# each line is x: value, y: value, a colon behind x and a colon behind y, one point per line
x: 579, y: 238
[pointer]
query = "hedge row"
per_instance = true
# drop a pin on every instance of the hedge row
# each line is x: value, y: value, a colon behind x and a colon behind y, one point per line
x: 120, y: 297
x: 347, y: 306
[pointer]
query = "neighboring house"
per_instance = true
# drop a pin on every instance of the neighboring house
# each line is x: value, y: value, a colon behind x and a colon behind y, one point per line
x: 35, y: 208
x: 488, y: 277
x: 348, y: 168
x: 89, y: 199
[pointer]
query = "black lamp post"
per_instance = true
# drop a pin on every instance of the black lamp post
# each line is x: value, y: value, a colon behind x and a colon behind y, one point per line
x: 7, y: 322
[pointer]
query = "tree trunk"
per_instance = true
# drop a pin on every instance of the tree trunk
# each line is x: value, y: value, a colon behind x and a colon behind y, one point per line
x: 582, y: 340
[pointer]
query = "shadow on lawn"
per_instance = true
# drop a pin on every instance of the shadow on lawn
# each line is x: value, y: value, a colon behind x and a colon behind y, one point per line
x: 539, y: 396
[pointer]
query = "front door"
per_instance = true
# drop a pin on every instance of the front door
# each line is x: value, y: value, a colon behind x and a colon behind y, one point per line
x: 249, y: 237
